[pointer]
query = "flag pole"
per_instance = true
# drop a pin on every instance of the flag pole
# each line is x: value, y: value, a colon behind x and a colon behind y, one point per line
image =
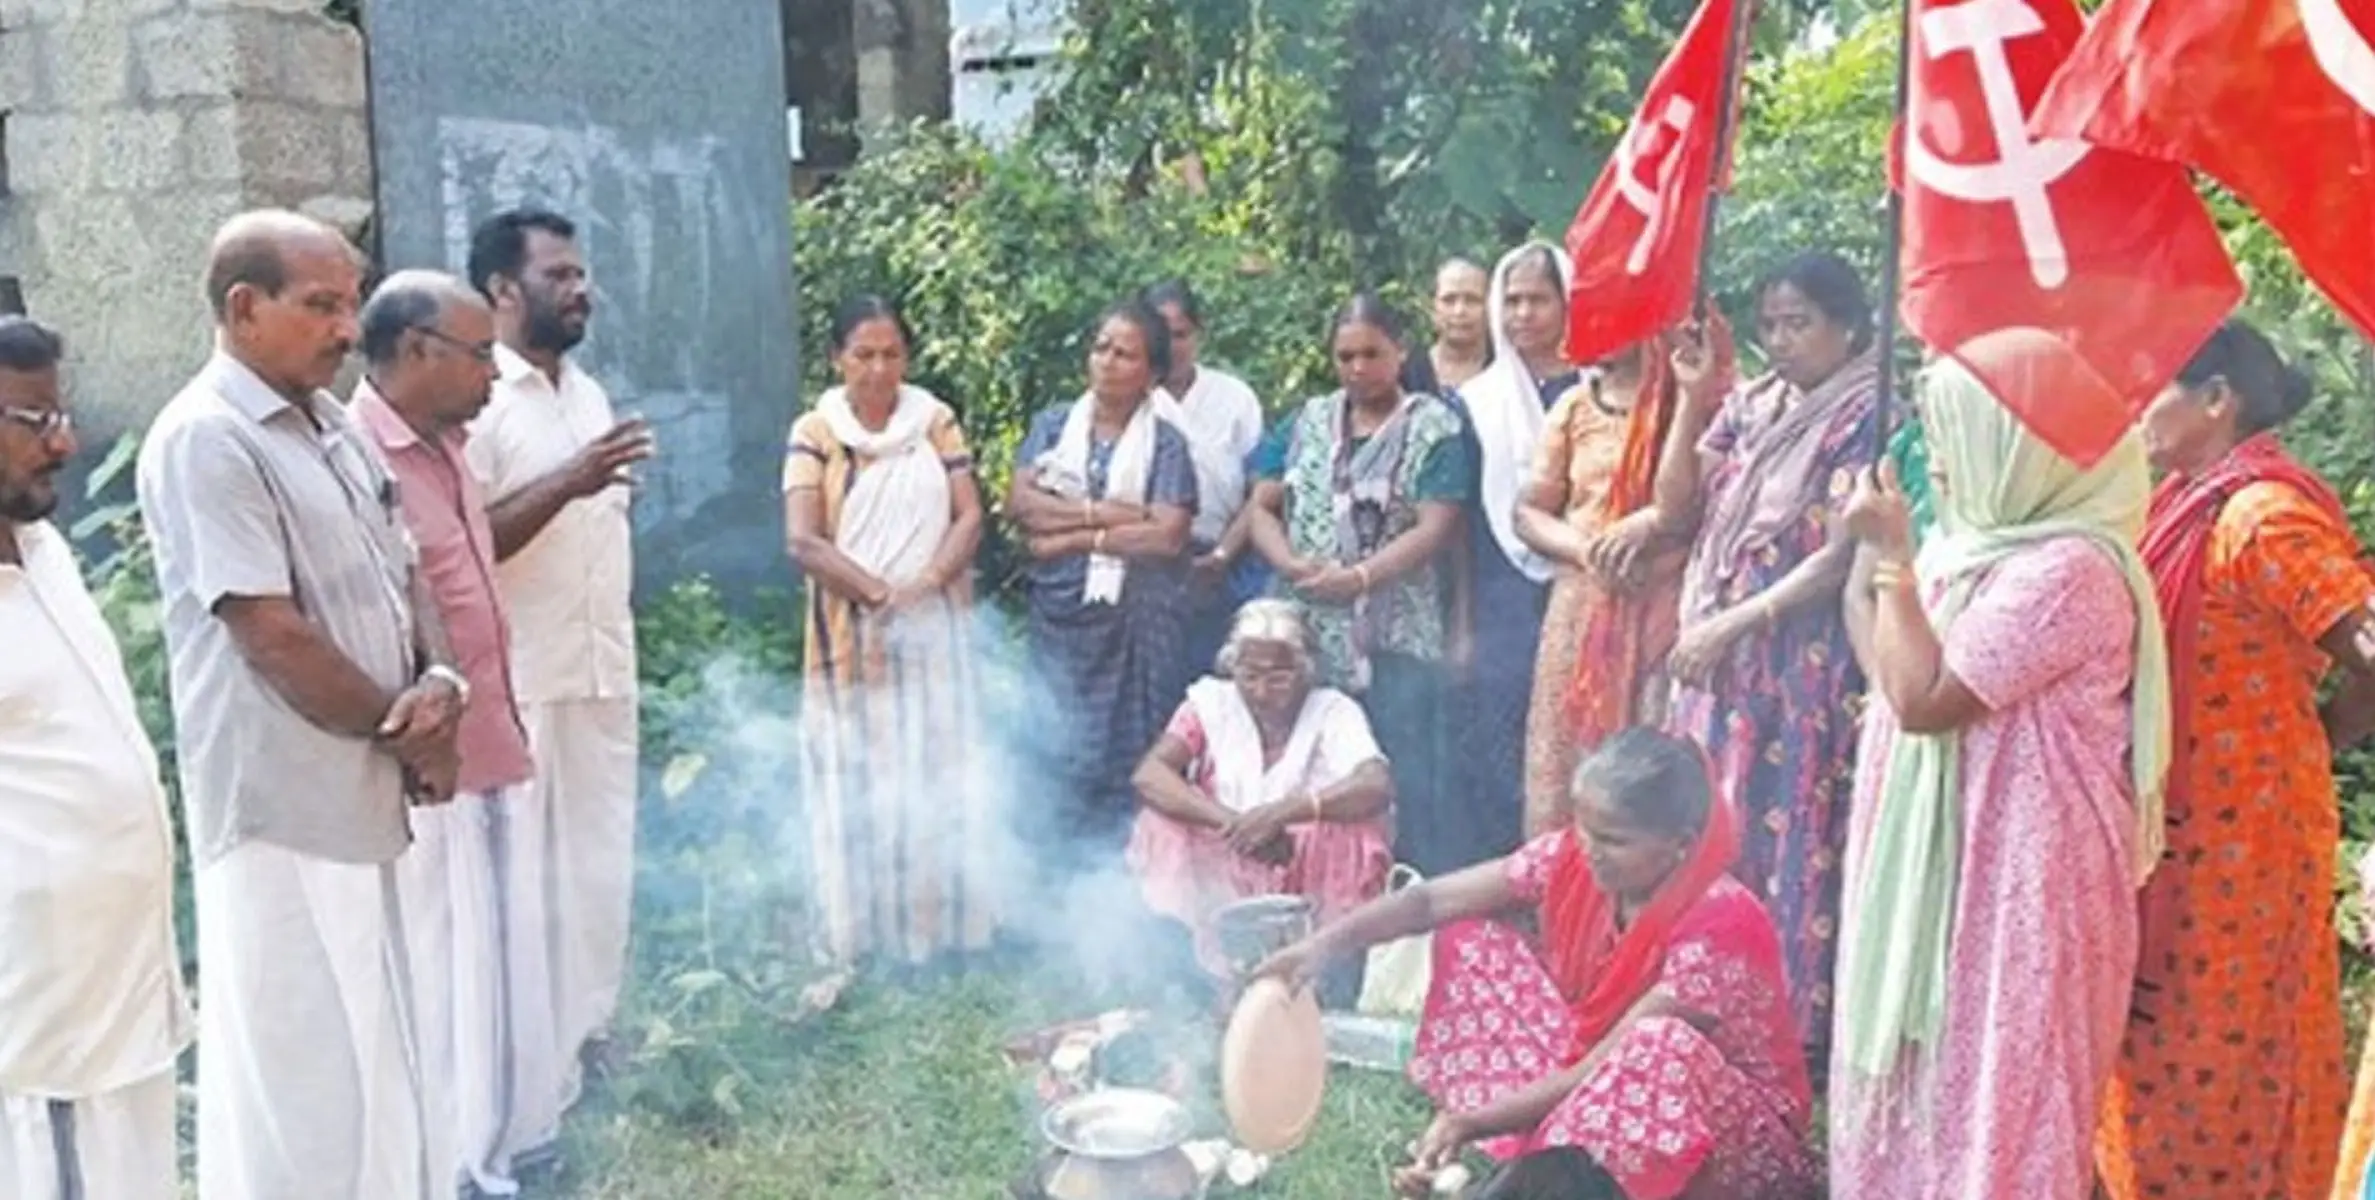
x: 1743, y: 20
x: 1892, y: 243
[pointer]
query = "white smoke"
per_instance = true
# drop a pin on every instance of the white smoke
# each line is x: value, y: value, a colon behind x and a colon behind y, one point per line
x: 738, y: 774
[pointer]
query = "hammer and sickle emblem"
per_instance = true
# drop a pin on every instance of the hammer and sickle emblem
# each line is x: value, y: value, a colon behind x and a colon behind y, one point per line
x: 2341, y: 51
x: 2023, y: 169
x: 1648, y: 198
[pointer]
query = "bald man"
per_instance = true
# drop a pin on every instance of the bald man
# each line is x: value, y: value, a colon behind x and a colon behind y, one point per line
x: 428, y: 344
x: 315, y: 704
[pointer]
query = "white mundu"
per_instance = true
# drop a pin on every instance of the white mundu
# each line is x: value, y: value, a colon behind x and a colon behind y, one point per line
x: 92, y: 1013
x: 569, y: 857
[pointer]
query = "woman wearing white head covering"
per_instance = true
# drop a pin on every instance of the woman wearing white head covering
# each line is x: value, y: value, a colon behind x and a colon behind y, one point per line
x: 1506, y: 406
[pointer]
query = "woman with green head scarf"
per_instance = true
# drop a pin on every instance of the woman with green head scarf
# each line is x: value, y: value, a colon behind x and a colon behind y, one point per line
x: 2006, y: 806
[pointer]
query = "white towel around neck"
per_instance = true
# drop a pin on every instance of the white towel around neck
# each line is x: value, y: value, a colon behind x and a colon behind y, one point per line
x: 1064, y: 470
x: 1505, y: 406
x: 896, y: 513
x: 1233, y: 745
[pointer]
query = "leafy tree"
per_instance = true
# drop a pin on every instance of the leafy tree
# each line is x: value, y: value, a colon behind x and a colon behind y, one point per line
x: 1409, y: 125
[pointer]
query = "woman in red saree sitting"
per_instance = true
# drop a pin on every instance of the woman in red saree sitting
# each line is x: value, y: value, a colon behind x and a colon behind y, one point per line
x: 1648, y: 1026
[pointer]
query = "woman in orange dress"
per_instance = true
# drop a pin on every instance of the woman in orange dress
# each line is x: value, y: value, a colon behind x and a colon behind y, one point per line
x: 2230, y: 1082
x: 1616, y: 583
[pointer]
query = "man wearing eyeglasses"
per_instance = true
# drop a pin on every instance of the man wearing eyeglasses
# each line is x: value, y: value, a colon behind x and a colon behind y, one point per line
x: 92, y: 1013
x: 315, y: 703
x: 428, y: 345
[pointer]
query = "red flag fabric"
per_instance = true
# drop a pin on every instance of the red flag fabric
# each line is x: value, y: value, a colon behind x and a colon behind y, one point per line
x: 2111, y: 255
x: 2274, y: 98
x: 1636, y: 240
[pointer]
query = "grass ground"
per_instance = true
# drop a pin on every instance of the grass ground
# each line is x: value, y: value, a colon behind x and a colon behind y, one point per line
x: 902, y: 1092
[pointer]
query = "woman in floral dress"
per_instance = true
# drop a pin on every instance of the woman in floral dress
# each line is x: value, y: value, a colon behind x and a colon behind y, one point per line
x: 2007, y: 806
x: 1764, y: 677
x: 1356, y: 524
x: 1648, y: 1027
x: 2231, y: 1082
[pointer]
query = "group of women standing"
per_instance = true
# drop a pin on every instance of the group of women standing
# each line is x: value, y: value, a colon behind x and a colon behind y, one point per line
x: 2020, y: 766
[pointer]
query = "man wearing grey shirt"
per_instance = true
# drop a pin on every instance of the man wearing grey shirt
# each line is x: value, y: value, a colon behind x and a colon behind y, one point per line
x: 313, y: 702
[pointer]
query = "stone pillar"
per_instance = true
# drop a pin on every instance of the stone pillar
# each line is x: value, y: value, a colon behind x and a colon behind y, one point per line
x: 133, y: 129
x: 820, y: 77
x: 902, y: 57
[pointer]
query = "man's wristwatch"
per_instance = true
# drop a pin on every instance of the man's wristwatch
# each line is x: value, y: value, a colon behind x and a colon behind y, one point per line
x: 451, y: 677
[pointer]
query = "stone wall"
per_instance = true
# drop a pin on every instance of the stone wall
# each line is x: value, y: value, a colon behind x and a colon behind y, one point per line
x: 132, y: 129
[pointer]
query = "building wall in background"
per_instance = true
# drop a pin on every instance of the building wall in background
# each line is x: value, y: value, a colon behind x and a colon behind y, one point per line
x: 130, y: 129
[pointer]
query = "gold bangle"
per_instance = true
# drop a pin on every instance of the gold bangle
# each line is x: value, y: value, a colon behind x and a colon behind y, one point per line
x: 1097, y: 542
x: 1360, y: 572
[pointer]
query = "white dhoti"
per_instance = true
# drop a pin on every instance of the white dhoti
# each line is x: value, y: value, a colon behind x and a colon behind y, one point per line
x: 567, y: 882
x: 117, y: 1145
x: 306, y: 1063
x: 447, y: 883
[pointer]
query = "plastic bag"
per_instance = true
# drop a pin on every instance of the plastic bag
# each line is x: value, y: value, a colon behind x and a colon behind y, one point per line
x: 1395, y: 984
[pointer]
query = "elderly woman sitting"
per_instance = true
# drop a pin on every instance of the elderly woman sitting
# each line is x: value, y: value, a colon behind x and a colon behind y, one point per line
x: 1261, y: 784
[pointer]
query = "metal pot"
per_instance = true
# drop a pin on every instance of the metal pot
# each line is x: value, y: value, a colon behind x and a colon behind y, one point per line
x: 1119, y: 1144
x: 1253, y: 929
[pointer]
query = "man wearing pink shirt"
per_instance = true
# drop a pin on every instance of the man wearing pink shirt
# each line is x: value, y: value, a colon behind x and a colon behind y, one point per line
x: 428, y: 342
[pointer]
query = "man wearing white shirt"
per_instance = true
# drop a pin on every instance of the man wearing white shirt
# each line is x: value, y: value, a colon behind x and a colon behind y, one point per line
x: 92, y: 1012
x: 1222, y: 420
x: 553, y: 458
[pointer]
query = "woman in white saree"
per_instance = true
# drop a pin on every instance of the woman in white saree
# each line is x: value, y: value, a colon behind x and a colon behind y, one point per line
x: 884, y: 516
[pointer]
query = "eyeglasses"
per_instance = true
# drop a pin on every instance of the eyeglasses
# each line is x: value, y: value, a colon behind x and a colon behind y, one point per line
x: 1271, y: 676
x: 482, y: 351
x: 45, y: 423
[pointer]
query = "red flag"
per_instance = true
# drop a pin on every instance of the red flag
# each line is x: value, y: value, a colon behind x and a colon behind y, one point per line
x: 2111, y: 256
x: 1636, y: 240
x: 2271, y: 97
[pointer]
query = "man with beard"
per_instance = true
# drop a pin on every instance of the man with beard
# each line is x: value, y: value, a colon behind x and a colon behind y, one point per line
x: 429, y: 349
x: 312, y: 698
x: 556, y: 459
x: 92, y: 1014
